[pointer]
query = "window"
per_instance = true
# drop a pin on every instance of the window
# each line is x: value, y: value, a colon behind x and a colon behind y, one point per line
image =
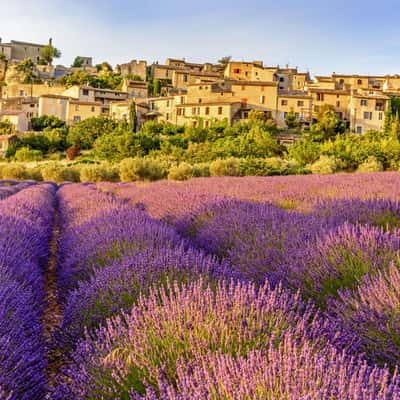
x: 297, y: 115
x: 284, y: 102
x: 206, y: 124
x: 167, y: 116
x: 85, y: 92
x: 359, y: 82
x: 281, y: 79
x: 21, y: 93
x: 367, y: 115
x: 364, y: 102
x: 167, y: 103
x: 300, y: 103
x: 219, y: 110
x: 179, y: 111
x: 185, y: 78
x: 199, y: 100
x: 193, y: 110
x: 77, y: 118
x: 338, y: 104
x: 182, y: 99
x: 380, y: 116
x: 236, y: 71
x: 246, y: 115
x: 316, y: 108
x: 320, y: 97
x: 262, y: 99
x: 359, y: 129
x: 31, y: 105
x: 93, y: 109
x: 207, y: 110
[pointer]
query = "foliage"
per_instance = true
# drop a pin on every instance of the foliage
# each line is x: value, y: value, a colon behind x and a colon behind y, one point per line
x: 50, y: 52
x: 25, y: 154
x: 57, y: 172
x: 370, y: 165
x: 225, y: 167
x: 78, y: 62
x: 46, y: 121
x: 84, y: 133
x: 324, y: 165
x: 181, y: 172
x: 133, y: 169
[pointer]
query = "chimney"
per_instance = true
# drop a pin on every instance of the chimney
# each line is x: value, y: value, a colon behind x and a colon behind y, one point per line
x: 50, y: 42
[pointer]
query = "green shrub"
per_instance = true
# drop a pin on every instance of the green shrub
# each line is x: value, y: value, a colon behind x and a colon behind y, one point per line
x: 34, y: 173
x: 201, y: 170
x: 181, y: 172
x: 372, y: 164
x: 226, y: 167
x: 98, y: 173
x: 58, y: 172
x: 13, y: 171
x: 324, y: 165
x: 134, y: 169
x: 25, y: 154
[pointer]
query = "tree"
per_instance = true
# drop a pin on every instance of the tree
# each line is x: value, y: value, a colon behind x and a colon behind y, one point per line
x: 46, y: 121
x: 84, y: 133
x: 104, y: 66
x: 26, y: 67
x: 132, y: 117
x: 50, y: 52
x: 395, y: 128
x: 157, y: 87
x: 291, y: 120
x: 388, y: 117
x: 224, y: 60
x: 6, y: 128
x: 78, y: 62
x: 328, y: 124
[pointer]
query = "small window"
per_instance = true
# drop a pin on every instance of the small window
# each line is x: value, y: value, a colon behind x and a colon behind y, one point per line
x: 207, y: 110
x: 320, y: 97
x: 367, y: 115
x: 359, y: 82
x: 77, y: 118
x: 93, y: 108
x: 380, y: 116
x: 206, y: 123
x: 199, y: 100
x: 194, y: 110
x: 21, y: 93
x: 167, y: 116
x: 262, y: 99
x: 85, y: 92
x: 364, y: 102
x: 284, y: 102
x: 359, y: 129
x: 219, y: 110
x: 316, y: 108
x: 300, y: 103
x: 281, y: 79
x: 243, y: 87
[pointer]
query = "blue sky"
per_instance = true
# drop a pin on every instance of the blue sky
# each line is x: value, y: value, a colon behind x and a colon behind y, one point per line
x: 350, y: 36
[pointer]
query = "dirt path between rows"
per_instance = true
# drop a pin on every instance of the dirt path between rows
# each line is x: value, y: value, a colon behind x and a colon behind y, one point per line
x: 52, y: 315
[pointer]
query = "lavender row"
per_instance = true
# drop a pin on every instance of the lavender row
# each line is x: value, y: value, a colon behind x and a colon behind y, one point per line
x: 26, y: 226
x: 230, y: 340
x: 109, y: 252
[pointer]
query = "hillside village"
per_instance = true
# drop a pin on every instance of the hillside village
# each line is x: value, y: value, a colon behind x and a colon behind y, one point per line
x: 182, y: 93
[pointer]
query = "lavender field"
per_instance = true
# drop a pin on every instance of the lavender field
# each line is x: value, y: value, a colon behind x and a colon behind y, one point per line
x: 277, y: 288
